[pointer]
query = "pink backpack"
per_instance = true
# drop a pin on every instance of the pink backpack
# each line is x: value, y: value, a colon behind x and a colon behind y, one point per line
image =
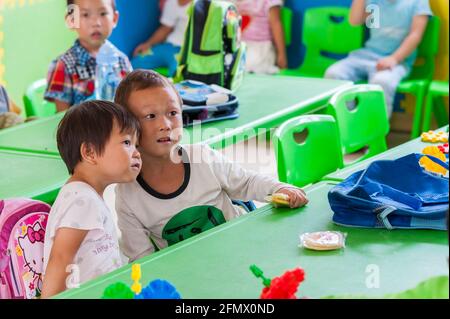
x: 22, y: 231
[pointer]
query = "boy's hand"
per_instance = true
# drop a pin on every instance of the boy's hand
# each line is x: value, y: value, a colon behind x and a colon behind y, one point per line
x: 388, y: 62
x: 297, y: 196
x: 141, y: 48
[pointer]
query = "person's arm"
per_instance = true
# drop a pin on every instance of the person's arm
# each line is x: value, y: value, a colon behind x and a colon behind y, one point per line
x: 278, y: 36
x: 358, y: 14
x: 59, y: 87
x: 246, y: 185
x: 65, y: 246
x: 409, y: 44
x: 135, y: 242
x: 159, y: 36
x: 61, y: 105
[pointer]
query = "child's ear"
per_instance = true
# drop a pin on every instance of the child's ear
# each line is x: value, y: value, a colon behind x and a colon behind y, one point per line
x: 88, y: 154
x: 115, y: 18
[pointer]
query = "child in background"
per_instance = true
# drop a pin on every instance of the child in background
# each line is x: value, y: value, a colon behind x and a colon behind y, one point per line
x: 97, y: 142
x: 183, y: 189
x: 266, y: 51
x: 9, y: 112
x: 390, y: 52
x: 71, y: 77
x: 166, y: 41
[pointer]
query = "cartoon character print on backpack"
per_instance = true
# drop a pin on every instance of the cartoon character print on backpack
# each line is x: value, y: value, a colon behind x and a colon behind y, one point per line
x: 32, y: 246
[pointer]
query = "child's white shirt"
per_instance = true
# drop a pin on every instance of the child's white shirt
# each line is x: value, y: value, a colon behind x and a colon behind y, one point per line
x: 175, y: 16
x: 202, y: 202
x: 79, y: 206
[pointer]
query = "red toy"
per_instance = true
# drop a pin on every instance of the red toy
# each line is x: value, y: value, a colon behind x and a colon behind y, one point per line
x: 283, y: 287
x: 443, y: 148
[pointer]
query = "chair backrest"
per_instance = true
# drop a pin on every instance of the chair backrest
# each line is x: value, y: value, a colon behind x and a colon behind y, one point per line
x: 328, y: 30
x: 307, y: 148
x: 362, y: 119
x: 34, y: 102
x: 286, y: 20
x: 426, y: 52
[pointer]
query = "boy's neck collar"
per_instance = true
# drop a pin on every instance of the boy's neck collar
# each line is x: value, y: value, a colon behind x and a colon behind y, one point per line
x: 89, y: 51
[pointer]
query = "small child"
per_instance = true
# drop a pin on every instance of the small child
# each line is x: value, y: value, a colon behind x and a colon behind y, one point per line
x: 266, y: 50
x: 97, y: 142
x: 71, y: 77
x: 9, y: 112
x: 166, y: 41
x: 390, y: 52
x: 183, y: 189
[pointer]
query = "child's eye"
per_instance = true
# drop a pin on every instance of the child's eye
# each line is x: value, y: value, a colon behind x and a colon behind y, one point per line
x: 85, y: 15
x: 149, y: 116
x: 127, y: 142
x: 104, y: 13
x: 174, y: 113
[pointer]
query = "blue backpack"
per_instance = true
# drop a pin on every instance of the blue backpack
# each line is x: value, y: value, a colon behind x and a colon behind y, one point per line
x: 392, y: 194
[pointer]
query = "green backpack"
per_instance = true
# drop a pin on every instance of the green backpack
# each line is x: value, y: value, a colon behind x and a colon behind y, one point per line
x: 212, y: 51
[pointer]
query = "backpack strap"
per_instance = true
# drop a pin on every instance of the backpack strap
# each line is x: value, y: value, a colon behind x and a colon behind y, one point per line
x: 383, y: 216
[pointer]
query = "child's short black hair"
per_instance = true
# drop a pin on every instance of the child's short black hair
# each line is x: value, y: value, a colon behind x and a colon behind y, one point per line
x: 141, y: 79
x: 113, y: 3
x: 91, y: 123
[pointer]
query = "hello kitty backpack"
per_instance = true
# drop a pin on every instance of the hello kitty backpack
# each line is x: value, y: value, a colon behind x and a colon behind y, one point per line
x: 22, y: 231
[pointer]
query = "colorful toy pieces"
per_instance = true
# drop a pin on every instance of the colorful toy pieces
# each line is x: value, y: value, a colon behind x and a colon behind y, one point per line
x: 434, y: 137
x: 443, y: 148
x: 156, y: 289
x: 283, y: 287
x: 430, y: 165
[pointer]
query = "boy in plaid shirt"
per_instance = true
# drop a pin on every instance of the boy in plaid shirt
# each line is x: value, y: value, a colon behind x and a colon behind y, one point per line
x: 71, y: 77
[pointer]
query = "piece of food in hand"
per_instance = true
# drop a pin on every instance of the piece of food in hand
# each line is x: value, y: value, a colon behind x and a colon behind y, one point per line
x: 278, y: 199
x: 323, y: 240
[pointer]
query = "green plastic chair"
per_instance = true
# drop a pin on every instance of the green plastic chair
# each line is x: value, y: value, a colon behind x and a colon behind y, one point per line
x: 326, y: 29
x: 422, y: 73
x: 437, y: 89
x: 301, y: 162
x: 362, y: 119
x: 34, y: 102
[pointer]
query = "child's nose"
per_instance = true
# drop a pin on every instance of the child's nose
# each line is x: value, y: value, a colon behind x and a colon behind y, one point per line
x: 165, y: 124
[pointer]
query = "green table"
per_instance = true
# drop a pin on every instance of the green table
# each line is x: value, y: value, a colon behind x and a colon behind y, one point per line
x: 36, y: 176
x: 215, y: 264
x: 265, y: 102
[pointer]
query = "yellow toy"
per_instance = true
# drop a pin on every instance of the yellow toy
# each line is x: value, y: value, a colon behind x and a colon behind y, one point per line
x: 278, y: 199
x: 433, y: 137
x: 428, y: 164
x: 136, y: 276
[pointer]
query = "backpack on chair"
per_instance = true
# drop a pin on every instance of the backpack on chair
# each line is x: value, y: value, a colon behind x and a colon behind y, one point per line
x: 212, y: 51
x: 22, y: 231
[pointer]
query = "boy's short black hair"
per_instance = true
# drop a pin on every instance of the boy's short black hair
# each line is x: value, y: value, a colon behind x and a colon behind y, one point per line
x: 91, y: 123
x: 113, y: 3
x: 141, y: 79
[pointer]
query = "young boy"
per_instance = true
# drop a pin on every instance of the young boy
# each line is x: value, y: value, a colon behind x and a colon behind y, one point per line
x: 266, y: 49
x: 390, y: 52
x: 71, y: 77
x: 97, y: 142
x: 166, y: 41
x: 183, y: 189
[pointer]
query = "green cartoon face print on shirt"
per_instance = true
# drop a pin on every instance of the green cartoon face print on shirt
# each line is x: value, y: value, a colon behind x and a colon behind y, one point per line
x: 190, y: 222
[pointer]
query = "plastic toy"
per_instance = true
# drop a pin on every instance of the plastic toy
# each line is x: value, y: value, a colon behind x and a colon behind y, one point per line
x: 433, y: 137
x: 431, y: 166
x: 443, y: 148
x: 136, y: 276
x: 278, y: 200
x: 156, y: 289
x: 118, y: 291
x: 283, y: 287
x: 159, y: 289
x: 326, y: 240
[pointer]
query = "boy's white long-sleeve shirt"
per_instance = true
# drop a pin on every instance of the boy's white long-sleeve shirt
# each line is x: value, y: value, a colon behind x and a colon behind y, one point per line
x: 202, y: 202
